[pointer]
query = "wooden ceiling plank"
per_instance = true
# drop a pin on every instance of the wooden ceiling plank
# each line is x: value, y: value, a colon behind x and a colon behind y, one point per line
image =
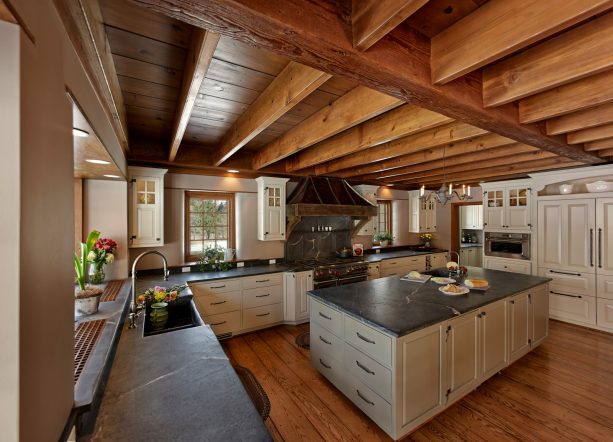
x: 571, y: 56
x: 599, y: 144
x: 501, y: 27
x: 199, y: 57
x: 84, y: 24
x: 354, y: 107
x: 397, y: 123
x: 129, y: 67
x: 373, y: 19
x: 591, y: 134
x: 294, y: 83
x: 147, y: 88
x: 606, y: 153
x: 594, y: 116
x: 422, y: 140
x: 572, y: 97
x: 315, y: 33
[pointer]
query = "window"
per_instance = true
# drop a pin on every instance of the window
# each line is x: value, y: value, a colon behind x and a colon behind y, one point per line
x: 384, y: 216
x: 209, y: 222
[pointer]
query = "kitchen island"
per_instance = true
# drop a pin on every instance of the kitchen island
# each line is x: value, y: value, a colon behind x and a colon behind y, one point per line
x: 403, y: 351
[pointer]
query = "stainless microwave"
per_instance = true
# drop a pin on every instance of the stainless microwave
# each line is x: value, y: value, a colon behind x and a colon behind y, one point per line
x: 507, y: 245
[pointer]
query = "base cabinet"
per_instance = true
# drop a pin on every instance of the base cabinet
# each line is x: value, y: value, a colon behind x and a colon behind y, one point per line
x: 402, y: 266
x: 296, y: 300
x: 508, y: 265
x: 520, y: 326
x: 462, y: 355
x: 494, y: 341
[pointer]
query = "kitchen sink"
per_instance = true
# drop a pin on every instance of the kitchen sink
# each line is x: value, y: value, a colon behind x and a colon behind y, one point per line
x: 182, y: 314
x: 442, y: 271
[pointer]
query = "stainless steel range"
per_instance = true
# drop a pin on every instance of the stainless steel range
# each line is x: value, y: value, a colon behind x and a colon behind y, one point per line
x: 330, y: 272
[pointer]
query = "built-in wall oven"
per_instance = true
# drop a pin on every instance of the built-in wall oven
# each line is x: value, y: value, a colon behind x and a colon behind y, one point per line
x: 507, y: 245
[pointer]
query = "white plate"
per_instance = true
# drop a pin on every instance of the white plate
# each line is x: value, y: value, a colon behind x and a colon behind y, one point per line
x: 477, y: 288
x: 463, y: 291
x: 443, y: 281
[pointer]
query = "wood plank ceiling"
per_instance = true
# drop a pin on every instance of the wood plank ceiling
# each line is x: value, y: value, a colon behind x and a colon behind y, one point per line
x: 411, y: 92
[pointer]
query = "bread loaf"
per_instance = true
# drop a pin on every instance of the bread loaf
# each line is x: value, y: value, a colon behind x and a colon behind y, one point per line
x: 477, y: 283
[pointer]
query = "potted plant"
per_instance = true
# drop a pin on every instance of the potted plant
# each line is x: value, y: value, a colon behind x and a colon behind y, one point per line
x: 426, y: 238
x: 87, y: 298
x: 102, y: 253
x: 384, y: 238
x: 212, y: 259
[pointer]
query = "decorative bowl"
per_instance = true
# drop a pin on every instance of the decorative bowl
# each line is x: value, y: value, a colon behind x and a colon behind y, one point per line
x: 600, y: 186
x: 566, y: 189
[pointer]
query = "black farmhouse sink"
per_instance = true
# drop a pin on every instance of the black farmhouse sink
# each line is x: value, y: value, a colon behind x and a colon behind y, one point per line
x: 181, y: 314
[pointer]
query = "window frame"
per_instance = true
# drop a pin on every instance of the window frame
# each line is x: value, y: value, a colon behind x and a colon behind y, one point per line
x: 230, y: 197
x: 388, y: 215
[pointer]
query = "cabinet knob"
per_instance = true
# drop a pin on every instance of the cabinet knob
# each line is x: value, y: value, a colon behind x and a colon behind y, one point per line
x: 157, y: 239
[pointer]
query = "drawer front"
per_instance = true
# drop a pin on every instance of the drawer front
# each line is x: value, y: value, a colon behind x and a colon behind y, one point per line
x: 379, y: 410
x: 373, y: 374
x: 264, y: 315
x: 412, y: 262
x: 252, y: 282
x: 219, y: 286
x: 604, y: 284
x: 224, y: 322
x: 326, y: 341
x: 368, y: 340
x: 218, y: 303
x: 567, y: 306
x: 327, y: 317
x: 329, y: 366
x: 604, y: 313
x: 571, y: 282
x: 262, y: 296
x: 509, y: 266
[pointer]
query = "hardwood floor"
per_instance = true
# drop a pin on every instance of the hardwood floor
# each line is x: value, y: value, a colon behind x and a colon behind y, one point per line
x: 560, y: 391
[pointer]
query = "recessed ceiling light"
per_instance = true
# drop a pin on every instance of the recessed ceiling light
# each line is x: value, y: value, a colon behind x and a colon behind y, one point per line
x: 98, y: 161
x: 79, y: 132
x: 232, y: 171
x: 112, y: 176
x: 217, y: 87
x: 391, y: 184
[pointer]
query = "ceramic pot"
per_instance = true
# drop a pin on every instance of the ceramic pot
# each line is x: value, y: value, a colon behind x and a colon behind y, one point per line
x: 158, y: 315
x: 384, y: 243
x: 87, y: 305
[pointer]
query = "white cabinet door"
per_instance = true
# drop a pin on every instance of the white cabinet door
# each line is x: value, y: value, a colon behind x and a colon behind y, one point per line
x: 471, y: 217
x: 539, y: 300
x: 494, y: 340
x: 517, y: 208
x: 465, y: 215
x: 296, y: 302
x: 423, y: 214
x: 271, y: 208
x: 604, y: 235
x: 493, y: 210
x: 146, y: 207
x: 478, y: 216
x: 462, y: 355
x: 520, y: 326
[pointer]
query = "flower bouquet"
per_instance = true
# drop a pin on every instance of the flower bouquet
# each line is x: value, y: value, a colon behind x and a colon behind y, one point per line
x: 157, y: 294
x: 102, y: 253
x: 426, y: 238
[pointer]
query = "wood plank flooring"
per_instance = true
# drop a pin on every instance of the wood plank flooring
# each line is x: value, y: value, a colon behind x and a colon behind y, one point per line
x: 563, y: 390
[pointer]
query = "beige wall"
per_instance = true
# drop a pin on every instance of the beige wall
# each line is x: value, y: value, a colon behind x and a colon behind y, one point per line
x: 247, y: 244
x: 442, y: 237
x: 10, y: 231
x: 105, y: 209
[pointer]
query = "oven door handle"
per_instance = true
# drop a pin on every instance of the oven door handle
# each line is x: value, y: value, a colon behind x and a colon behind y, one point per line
x: 361, y: 277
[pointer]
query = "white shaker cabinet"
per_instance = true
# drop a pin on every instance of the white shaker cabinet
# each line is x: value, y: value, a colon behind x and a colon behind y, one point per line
x: 471, y: 217
x: 271, y: 208
x: 146, y: 213
x: 604, y: 236
x: 506, y: 206
x: 462, y: 355
x: 520, y: 319
x: 493, y: 338
x: 423, y: 214
x: 296, y: 304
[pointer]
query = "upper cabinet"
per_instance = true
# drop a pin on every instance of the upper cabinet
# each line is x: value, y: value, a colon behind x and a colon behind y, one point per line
x: 146, y: 212
x: 370, y: 193
x: 471, y: 217
x: 506, y: 206
x: 271, y: 208
x: 423, y: 214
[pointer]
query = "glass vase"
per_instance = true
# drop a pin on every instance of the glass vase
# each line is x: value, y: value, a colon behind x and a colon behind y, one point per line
x: 96, y: 274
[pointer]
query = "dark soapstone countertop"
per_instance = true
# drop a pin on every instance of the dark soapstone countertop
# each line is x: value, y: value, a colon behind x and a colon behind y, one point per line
x: 399, y: 307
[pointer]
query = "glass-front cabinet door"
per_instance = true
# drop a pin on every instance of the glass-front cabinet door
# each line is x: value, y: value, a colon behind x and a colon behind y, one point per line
x: 517, y: 215
x: 271, y: 208
x: 147, y: 206
x: 493, y: 212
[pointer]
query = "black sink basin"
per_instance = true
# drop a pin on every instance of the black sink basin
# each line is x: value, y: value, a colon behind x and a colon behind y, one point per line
x: 441, y: 271
x: 181, y: 314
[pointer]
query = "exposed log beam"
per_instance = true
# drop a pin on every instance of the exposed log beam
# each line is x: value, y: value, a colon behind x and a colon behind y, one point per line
x: 356, y: 106
x: 6, y: 13
x: 373, y: 19
x: 397, y: 123
x: 419, y: 141
x: 594, y: 116
x: 574, y: 55
x: 468, y: 146
x: 199, y: 58
x: 314, y: 32
x: 606, y: 153
x: 571, y: 97
x: 501, y: 27
x: 591, y: 134
x: 606, y: 143
x: 84, y: 24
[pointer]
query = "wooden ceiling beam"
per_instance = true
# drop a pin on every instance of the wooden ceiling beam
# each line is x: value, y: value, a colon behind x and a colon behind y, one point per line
x: 294, y: 83
x: 85, y: 27
x: 419, y: 141
x: 572, y: 97
x: 571, y: 56
x: 605, y: 143
x: 606, y: 153
x: 356, y: 106
x: 199, y: 58
x: 397, y: 123
x: 371, y: 20
x: 501, y: 27
x: 315, y: 33
x: 591, y: 134
x: 594, y: 116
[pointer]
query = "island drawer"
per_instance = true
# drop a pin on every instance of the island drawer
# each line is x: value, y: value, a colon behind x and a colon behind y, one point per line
x: 224, y: 322
x: 373, y: 374
x: 368, y: 340
x: 413, y: 262
x: 251, y: 282
x: 218, y: 286
x: 377, y: 408
x: 570, y: 282
x: 328, y: 366
x: 262, y: 296
x: 326, y: 341
x: 264, y: 315
x: 218, y: 303
x: 327, y: 317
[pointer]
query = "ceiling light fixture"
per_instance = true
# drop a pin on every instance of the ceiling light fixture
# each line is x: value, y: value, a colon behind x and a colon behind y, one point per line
x: 98, y: 161
x: 445, y: 194
x: 232, y: 171
x: 112, y: 176
x: 79, y: 133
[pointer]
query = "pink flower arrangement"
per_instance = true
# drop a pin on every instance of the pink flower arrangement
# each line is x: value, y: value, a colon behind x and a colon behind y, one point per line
x: 102, y: 252
x: 160, y: 294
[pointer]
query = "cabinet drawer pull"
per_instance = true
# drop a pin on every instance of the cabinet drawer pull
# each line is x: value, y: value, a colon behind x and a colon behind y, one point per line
x: 599, y: 248
x: 366, y: 369
x: 364, y: 399
x: 218, y: 286
x: 325, y: 341
x: 564, y: 273
x: 325, y: 317
x: 219, y: 323
x: 262, y: 296
x: 218, y: 303
x: 262, y: 280
x: 565, y: 294
x: 324, y: 364
x: 264, y: 314
x: 591, y: 247
x: 364, y: 338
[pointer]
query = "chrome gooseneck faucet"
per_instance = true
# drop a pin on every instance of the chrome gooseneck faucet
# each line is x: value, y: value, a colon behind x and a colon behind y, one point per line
x: 458, y: 261
x: 135, y: 309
